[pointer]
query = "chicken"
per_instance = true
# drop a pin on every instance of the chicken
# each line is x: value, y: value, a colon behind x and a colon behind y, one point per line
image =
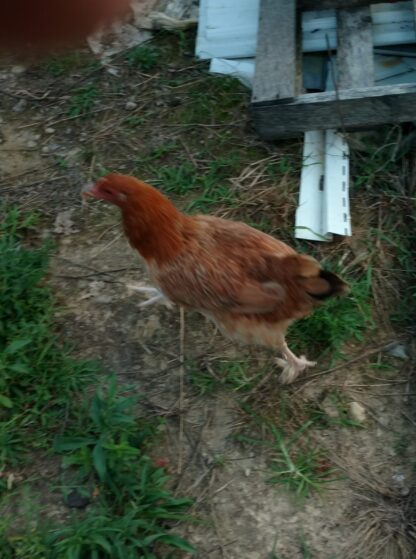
x: 249, y: 284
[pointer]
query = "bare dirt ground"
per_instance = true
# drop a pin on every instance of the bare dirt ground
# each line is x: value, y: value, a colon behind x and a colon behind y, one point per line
x: 63, y: 124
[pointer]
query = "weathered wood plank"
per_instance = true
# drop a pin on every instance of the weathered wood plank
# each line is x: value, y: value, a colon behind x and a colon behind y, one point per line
x: 355, y: 48
x: 338, y: 4
x: 276, y: 60
x: 354, y: 108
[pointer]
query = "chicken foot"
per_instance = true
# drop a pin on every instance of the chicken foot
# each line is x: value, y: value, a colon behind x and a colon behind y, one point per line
x: 292, y: 365
x: 156, y: 296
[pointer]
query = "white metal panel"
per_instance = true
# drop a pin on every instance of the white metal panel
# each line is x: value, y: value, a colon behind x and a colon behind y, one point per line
x: 336, y: 206
x: 398, y: 12
x: 324, y: 207
x: 383, y: 34
x: 309, y: 217
x: 242, y: 69
x: 388, y: 70
x: 228, y: 28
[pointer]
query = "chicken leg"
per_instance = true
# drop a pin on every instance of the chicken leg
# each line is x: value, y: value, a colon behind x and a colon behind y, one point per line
x: 156, y: 296
x: 292, y: 365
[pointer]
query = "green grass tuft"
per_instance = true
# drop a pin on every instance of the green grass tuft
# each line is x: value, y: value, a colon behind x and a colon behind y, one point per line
x: 83, y: 101
x: 59, y: 65
x: 144, y: 57
x: 211, y: 99
x: 205, y: 188
x: 133, y: 505
x: 297, y: 462
x: 104, y: 439
x: 232, y: 375
x: 37, y: 374
x: 336, y: 322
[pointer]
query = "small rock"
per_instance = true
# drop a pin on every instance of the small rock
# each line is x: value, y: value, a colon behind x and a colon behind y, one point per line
x: 20, y: 106
x: 103, y: 298
x: 73, y: 155
x: 398, y: 350
x: 384, y: 420
x: 50, y: 148
x: 112, y: 71
x: 45, y: 234
x: 357, y: 412
x: 130, y: 106
x: 77, y: 501
x: 174, y: 101
x: 152, y: 326
x: 31, y: 144
x: 49, y: 130
x: 398, y: 478
x: 64, y: 223
x: 18, y: 69
x: 329, y: 407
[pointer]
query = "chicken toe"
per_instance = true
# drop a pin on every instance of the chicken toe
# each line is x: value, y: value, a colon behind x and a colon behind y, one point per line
x: 155, y: 295
x: 292, y: 365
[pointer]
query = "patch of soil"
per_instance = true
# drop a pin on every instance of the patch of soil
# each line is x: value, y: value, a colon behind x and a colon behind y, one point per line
x: 246, y: 516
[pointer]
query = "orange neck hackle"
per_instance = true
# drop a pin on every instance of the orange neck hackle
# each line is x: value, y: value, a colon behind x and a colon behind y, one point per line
x: 155, y: 228
x: 151, y: 222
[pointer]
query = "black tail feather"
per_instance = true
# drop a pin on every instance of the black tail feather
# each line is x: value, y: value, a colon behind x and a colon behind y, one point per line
x: 336, y: 286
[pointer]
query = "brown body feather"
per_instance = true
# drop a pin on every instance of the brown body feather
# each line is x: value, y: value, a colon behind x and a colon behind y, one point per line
x: 251, y: 284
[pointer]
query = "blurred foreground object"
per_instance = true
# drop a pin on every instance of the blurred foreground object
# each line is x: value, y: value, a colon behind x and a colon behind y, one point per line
x: 43, y: 25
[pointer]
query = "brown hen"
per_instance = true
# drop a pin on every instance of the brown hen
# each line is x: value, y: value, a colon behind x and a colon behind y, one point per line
x: 249, y: 284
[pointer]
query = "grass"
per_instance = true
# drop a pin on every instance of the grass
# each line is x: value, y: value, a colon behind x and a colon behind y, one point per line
x: 203, y: 381
x: 337, y: 321
x: 384, y: 522
x: 60, y: 65
x: 302, y: 468
x: 401, y: 242
x: 133, y: 504
x: 401, y: 445
x: 145, y: 57
x: 103, y: 438
x: 304, y: 549
x: 296, y: 461
x: 206, y: 188
x: 231, y: 375
x: 82, y: 101
x: 340, y: 418
x: 383, y: 168
x: 210, y: 99
x: 376, y: 161
x: 38, y: 376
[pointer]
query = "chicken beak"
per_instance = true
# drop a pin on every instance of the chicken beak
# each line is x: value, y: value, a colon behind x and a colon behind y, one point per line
x: 89, y: 191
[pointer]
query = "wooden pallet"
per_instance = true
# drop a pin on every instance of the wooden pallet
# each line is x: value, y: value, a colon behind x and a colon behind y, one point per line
x: 281, y: 110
